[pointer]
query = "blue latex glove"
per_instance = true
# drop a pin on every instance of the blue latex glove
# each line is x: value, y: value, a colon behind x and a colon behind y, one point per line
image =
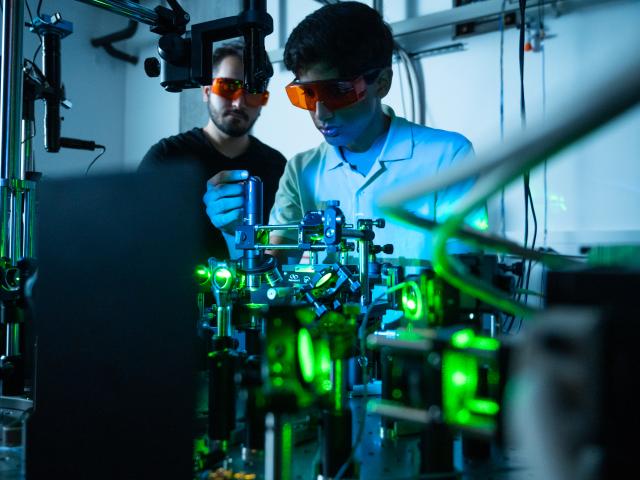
x: 224, y: 198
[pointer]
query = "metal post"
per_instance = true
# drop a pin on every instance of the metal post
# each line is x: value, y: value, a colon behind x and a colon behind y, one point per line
x: 337, y: 424
x: 340, y: 379
x: 224, y: 321
x: 494, y: 326
x: 363, y: 257
x: 16, y: 222
x: 278, y: 463
x: 12, y: 168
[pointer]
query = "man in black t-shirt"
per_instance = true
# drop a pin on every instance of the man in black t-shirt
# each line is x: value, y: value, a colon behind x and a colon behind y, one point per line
x: 223, y: 153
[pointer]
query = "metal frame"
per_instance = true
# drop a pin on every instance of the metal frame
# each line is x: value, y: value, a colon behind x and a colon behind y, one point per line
x: 13, y: 164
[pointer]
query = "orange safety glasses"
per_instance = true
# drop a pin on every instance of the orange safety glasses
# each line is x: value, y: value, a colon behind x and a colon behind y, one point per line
x: 231, y: 89
x: 334, y: 94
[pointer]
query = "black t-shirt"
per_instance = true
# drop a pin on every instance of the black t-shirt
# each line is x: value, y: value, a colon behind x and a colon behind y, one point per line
x: 193, y: 148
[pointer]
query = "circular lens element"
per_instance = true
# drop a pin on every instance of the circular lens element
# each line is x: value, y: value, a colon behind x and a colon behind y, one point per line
x: 222, y: 278
x: 412, y: 301
x: 305, y: 355
x: 203, y: 274
x: 324, y: 279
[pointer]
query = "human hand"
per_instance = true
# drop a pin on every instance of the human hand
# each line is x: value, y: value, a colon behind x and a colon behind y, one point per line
x: 224, y: 199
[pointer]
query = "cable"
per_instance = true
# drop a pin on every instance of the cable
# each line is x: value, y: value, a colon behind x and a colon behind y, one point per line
x: 39, y: 7
x: 418, y: 113
x: 29, y: 11
x: 404, y: 107
x: 37, y: 72
x: 35, y: 54
x: 533, y: 247
x: 411, y: 80
x: 104, y: 149
x: 535, y: 231
x: 528, y: 200
x: 545, y: 237
x: 523, y: 109
x: 525, y: 191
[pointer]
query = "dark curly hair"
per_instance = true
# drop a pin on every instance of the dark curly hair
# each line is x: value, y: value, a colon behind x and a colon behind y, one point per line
x: 349, y: 36
x: 229, y: 49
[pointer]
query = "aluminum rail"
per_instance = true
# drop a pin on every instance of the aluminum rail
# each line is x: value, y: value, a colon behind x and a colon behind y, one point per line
x: 11, y: 89
x: 11, y: 159
x: 126, y: 8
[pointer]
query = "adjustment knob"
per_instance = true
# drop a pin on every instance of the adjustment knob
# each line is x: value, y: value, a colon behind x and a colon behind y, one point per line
x: 388, y: 249
x: 380, y: 223
x: 152, y: 67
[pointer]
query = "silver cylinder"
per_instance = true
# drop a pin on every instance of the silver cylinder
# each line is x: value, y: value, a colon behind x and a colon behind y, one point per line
x: 11, y: 166
x: 11, y: 88
x: 278, y: 446
x: 17, y: 226
x: 494, y: 326
x: 12, y: 346
x: 224, y: 321
x: 271, y: 464
x: 363, y: 257
x: 254, y: 280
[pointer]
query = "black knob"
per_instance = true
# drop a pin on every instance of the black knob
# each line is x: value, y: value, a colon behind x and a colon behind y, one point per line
x: 152, y: 67
x: 380, y: 223
x: 388, y: 249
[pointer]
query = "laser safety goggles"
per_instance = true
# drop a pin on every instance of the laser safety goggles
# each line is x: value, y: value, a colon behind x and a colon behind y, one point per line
x: 232, y: 89
x: 334, y: 94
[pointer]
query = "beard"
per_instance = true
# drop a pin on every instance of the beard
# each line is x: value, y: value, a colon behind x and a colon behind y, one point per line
x: 230, y: 124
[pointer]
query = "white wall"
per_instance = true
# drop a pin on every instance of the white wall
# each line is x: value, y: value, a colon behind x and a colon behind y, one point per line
x: 95, y: 85
x: 151, y: 113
